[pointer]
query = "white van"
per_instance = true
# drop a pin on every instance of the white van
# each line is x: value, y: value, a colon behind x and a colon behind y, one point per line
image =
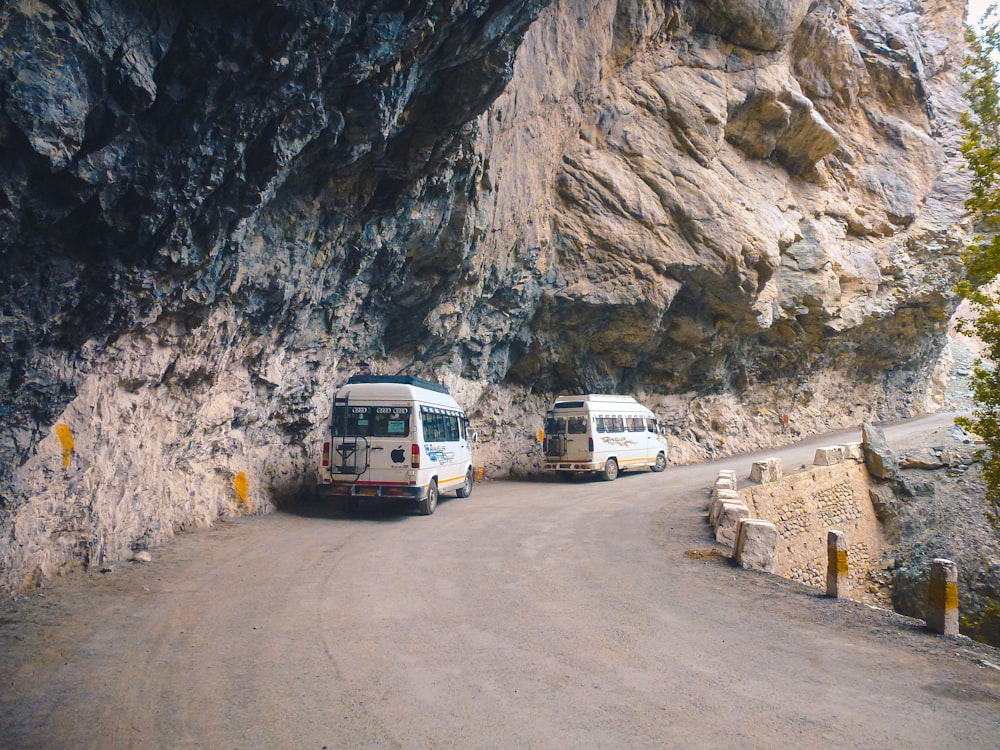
x: 396, y: 436
x: 602, y: 433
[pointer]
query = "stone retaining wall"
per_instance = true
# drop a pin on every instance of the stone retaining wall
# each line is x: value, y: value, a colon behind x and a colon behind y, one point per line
x: 806, y: 505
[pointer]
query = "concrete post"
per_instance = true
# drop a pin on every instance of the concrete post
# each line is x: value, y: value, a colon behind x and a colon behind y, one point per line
x: 837, y: 584
x: 942, y: 597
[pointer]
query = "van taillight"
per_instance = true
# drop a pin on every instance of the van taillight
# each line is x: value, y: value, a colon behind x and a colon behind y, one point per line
x: 326, y: 454
x: 414, y: 456
x: 590, y: 444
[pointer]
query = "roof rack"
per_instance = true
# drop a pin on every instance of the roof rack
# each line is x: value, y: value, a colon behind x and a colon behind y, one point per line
x: 399, y: 380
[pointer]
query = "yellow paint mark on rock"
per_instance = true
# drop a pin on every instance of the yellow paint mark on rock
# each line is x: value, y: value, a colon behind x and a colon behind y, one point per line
x: 242, y: 486
x: 65, y: 435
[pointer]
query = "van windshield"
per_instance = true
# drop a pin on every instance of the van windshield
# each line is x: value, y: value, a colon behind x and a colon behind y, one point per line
x: 372, y: 421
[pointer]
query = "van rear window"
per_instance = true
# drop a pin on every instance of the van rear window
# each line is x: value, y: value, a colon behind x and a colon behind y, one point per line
x: 372, y: 421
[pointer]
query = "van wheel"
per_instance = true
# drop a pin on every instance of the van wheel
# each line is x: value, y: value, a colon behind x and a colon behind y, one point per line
x: 466, y: 489
x: 610, y: 472
x: 661, y: 463
x: 429, y: 501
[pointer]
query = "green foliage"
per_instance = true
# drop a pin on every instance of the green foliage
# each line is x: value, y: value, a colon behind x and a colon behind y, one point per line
x: 981, y: 148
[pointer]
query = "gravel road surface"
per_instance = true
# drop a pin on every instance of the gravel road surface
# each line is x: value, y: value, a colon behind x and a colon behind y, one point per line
x: 580, y: 614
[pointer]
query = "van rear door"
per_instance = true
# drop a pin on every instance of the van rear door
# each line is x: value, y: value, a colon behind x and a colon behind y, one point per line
x: 568, y: 437
x: 390, y: 435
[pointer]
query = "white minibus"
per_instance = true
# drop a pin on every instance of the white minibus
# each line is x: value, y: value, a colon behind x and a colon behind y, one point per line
x: 396, y: 436
x: 602, y: 433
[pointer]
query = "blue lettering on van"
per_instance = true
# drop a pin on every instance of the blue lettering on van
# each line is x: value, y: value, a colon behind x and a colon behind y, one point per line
x: 439, y: 454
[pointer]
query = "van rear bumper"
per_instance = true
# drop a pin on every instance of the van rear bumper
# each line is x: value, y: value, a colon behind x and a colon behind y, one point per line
x: 355, y: 489
x: 572, y: 466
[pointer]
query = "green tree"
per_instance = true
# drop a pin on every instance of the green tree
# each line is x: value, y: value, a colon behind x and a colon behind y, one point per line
x: 981, y: 148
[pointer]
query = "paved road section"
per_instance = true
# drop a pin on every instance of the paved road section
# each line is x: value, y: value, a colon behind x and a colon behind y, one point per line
x: 531, y: 615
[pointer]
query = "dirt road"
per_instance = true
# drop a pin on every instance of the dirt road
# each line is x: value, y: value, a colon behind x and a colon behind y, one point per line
x: 531, y: 615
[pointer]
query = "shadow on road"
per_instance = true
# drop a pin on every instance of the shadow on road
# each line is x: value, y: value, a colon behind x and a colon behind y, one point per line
x: 381, y: 509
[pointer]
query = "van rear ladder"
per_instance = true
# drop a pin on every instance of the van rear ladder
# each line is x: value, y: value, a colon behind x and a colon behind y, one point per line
x: 349, y: 447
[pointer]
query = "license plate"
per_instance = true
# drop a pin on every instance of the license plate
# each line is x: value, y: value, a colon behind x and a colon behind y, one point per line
x: 369, y: 491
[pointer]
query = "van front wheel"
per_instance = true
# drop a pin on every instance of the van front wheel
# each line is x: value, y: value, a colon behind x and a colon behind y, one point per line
x: 661, y: 463
x: 430, y: 500
x: 466, y: 489
x: 610, y: 472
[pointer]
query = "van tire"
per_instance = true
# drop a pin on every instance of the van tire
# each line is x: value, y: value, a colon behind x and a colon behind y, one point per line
x: 466, y: 489
x: 610, y: 472
x: 430, y: 500
x: 661, y: 462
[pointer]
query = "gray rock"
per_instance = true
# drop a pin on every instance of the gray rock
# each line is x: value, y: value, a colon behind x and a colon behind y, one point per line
x: 214, y: 214
x: 880, y: 459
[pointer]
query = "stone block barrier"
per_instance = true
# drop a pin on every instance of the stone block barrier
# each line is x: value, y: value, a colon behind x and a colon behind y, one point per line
x: 755, y: 543
x: 715, y: 507
x: 829, y: 456
x: 854, y: 452
x: 725, y: 483
x: 729, y: 521
x: 765, y: 471
x: 837, y: 582
x: 942, y: 597
x: 727, y: 514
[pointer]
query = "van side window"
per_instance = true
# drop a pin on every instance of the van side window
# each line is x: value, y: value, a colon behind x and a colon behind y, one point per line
x: 610, y: 424
x: 635, y: 424
x: 440, y: 426
x: 652, y: 426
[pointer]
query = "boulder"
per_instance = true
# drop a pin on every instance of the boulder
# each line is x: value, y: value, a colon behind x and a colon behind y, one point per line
x: 880, y: 459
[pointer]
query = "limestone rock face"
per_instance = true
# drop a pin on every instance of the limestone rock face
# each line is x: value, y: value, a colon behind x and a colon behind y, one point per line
x: 757, y: 24
x: 747, y: 214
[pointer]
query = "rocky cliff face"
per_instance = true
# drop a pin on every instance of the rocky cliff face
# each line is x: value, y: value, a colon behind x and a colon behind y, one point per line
x: 212, y: 213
